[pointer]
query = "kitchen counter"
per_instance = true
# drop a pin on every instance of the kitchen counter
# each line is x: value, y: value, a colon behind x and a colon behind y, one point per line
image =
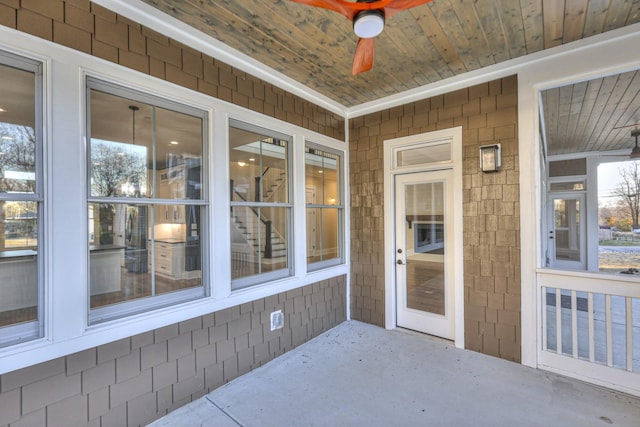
x: 170, y: 240
x: 105, y: 264
x: 97, y: 248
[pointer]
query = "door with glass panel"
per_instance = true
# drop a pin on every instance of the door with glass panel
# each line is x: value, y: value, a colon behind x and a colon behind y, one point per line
x: 424, y: 279
x: 566, y: 235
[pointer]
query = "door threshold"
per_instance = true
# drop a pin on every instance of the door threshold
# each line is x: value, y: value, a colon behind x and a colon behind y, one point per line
x: 424, y: 335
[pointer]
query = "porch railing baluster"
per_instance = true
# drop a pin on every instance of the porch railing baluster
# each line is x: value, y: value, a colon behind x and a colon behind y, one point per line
x: 574, y: 323
x: 544, y: 318
x: 629, y: 325
x: 609, y: 328
x: 559, y: 320
x: 592, y: 334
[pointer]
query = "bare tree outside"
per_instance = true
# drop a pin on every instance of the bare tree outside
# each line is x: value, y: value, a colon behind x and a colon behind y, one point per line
x: 17, y: 158
x: 628, y: 192
x: 114, y: 165
x: 117, y: 170
x: 18, y: 219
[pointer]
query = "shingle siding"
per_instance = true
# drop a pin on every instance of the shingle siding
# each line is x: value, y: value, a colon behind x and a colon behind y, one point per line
x: 136, y: 380
x: 491, y: 222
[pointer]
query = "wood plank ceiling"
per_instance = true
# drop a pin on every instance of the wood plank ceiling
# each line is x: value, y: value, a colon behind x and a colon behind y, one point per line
x: 595, y: 115
x: 422, y: 45
x: 431, y: 42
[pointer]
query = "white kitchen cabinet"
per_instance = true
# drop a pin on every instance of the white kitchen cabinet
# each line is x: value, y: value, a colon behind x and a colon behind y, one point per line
x: 171, y: 184
x: 169, y: 258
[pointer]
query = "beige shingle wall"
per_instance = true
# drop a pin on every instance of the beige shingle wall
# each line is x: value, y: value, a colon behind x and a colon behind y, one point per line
x: 487, y: 114
x: 135, y: 380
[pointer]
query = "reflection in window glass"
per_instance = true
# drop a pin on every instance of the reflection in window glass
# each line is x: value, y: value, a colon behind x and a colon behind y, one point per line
x: 618, y: 217
x: 260, y: 208
x: 20, y: 200
x: 424, y: 155
x: 146, y: 201
x: 128, y: 262
x: 324, y: 206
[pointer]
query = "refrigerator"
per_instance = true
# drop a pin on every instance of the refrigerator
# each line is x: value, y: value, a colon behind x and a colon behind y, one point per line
x: 135, y: 239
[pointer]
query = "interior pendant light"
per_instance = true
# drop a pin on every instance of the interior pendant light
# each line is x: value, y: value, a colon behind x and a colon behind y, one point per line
x: 368, y: 23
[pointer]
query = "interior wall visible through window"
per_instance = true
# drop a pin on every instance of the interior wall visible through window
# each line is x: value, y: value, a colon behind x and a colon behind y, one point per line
x: 21, y: 200
x: 261, y: 207
x: 324, y: 207
x: 147, y: 204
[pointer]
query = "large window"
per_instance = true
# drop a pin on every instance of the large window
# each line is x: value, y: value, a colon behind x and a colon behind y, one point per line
x: 260, y: 205
x: 147, y: 205
x: 324, y: 210
x: 20, y: 199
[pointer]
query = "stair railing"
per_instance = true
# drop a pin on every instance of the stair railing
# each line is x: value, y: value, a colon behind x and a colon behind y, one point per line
x: 268, y: 245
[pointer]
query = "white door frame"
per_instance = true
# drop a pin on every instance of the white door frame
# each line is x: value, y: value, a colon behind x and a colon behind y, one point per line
x: 454, y: 135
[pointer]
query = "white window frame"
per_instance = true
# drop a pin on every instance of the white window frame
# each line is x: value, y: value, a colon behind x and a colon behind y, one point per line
x: 339, y: 206
x: 65, y: 265
x: 134, y: 306
x: 21, y: 332
x: 248, y: 281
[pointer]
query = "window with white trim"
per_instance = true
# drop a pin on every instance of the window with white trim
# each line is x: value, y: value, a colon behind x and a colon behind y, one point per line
x: 21, y: 199
x: 261, y: 217
x: 146, y: 201
x: 324, y: 208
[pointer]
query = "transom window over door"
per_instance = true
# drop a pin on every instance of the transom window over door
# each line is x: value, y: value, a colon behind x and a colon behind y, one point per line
x: 147, y: 204
x: 21, y: 199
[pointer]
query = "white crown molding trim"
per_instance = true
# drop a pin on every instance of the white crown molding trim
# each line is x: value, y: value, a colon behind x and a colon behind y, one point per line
x: 492, y: 72
x: 159, y: 21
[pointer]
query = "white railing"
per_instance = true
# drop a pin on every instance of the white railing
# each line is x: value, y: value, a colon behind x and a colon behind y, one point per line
x: 590, y: 327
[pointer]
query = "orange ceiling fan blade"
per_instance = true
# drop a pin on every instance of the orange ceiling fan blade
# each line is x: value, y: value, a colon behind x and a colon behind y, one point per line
x: 396, y: 6
x: 375, y: 11
x: 333, y: 5
x: 363, y: 59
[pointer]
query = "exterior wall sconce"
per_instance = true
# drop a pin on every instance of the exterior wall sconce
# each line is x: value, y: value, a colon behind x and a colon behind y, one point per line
x: 490, y: 158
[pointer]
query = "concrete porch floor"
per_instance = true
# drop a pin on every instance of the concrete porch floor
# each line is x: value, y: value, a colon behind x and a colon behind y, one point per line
x: 361, y: 375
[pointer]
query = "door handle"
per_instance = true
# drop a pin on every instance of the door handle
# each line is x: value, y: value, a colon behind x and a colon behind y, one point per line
x: 399, y: 262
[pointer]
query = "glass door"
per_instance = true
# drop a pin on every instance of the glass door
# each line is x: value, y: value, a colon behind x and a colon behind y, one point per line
x: 566, y: 232
x: 423, y: 251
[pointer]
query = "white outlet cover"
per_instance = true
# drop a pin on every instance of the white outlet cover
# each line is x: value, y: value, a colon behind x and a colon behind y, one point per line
x: 277, y: 320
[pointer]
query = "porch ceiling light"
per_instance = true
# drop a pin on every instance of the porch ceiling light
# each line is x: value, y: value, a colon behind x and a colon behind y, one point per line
x: 635, y: 153
x: 368, y: 23
x: 490, y: 158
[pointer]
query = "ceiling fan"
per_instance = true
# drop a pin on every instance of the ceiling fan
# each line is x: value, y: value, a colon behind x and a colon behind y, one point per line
x: 635, y: 151
x: 368, y: 17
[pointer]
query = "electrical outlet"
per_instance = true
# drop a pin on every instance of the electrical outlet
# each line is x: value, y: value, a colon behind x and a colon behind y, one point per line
x: 277, y: 320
